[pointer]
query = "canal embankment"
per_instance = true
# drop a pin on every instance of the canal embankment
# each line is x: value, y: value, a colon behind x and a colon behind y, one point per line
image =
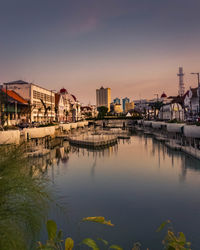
x: 177, y: 136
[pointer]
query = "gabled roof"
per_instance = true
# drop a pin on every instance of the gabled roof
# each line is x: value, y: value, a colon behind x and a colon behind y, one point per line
x: 74, y: 97
x: 15, y: 96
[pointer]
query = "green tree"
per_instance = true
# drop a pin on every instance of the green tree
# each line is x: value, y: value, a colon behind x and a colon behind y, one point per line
x: 156, y: 106
x: 102, y: 111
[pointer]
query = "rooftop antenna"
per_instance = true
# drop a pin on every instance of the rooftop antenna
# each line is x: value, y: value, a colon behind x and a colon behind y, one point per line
x: 181, y: 89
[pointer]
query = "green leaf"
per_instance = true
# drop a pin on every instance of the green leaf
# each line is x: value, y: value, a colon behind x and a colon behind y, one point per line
x: 104, y: 241
x: 60, y: 235
x: 171, y: 236
x: 116, y: 247
x: 162, y: 225
x: 136, y: 246
x: 51, y: 229
x: 171, y: 248
x: 90, y: 243
x: 69, y: 244
x: 98, y: 219
x: 182, y: 238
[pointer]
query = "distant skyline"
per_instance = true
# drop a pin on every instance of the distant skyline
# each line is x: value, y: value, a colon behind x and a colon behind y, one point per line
x: 135, y: 47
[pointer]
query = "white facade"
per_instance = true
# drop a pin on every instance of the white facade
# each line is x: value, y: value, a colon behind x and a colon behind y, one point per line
x: 60, y: 106
x: 41, y: 101
x: 191, y: 101
x: 171, y: 111
x: 72, y: 107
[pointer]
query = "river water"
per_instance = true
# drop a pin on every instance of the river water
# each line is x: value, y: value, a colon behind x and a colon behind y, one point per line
x: 136, y: 184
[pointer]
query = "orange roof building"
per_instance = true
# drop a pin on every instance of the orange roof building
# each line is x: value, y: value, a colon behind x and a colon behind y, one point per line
x: 14, y: 96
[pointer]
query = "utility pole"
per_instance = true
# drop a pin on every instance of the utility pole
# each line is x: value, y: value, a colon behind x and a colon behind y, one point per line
x: 6, y: 103
x: 198, y: 89
x: 155, y: 106
x: 51, y: 106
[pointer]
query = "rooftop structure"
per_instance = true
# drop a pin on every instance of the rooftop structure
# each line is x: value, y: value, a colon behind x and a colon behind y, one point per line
x: 181, y: 89
x: 14, y: 96
x: 163, y: 95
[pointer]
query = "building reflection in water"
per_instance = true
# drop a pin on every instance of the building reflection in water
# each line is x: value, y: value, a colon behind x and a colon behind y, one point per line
x: 158, y: 149
x: 61, y: 154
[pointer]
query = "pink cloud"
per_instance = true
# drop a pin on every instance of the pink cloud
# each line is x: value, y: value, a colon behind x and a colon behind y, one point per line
x: 84, y: 19
x: 84, y: 26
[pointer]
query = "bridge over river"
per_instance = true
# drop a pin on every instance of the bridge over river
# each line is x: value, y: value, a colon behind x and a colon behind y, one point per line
x: 116, y: 123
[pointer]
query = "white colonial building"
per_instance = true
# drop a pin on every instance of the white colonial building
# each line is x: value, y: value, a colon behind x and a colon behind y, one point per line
x: 171, y: 111
x: 191, y: 101
x: 41, y: 101
x: 72, y: 107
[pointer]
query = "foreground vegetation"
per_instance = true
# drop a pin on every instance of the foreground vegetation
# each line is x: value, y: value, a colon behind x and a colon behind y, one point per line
x: 23, y: 200
x: 172, y: 241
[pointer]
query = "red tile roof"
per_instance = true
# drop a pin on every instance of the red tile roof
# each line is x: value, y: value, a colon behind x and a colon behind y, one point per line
x: 15, y: 96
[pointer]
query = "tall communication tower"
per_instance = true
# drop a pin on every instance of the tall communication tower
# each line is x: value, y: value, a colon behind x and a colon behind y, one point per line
x: 181, y: 89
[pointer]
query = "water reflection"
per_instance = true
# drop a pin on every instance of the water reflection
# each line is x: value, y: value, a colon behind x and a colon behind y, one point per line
x: 60, y: 155
x: 158, y: 150
x: 135, y: 182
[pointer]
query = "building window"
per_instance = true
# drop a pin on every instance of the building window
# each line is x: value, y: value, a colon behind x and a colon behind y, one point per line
x: 34, y: 94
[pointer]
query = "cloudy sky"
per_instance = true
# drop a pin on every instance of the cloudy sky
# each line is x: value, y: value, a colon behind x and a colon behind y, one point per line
x: 132, y: 46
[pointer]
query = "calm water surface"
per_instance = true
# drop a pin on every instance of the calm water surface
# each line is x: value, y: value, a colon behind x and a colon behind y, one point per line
x: 137, y: 184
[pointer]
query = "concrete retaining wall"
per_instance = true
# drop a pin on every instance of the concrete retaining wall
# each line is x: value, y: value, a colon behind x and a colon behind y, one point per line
x: 10, y: 137
x: 158, y: 124
x: 65, y: 127
x: 191, y: 131
x: 174, y: 127
x: 147, y: 123
x: 32, y: 133
x: 73, y: 125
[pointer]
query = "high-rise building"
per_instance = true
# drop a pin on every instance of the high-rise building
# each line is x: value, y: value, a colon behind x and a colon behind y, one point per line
x: 117, y: 101
x: 103, y: 97
x: 129, y: 106
x: 124, y: 101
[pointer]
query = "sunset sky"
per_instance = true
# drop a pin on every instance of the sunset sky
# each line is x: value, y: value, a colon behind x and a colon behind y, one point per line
x: 132, y: 46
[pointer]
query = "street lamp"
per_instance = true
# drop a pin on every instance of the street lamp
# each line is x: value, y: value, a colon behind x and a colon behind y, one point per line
x: 198, y: 91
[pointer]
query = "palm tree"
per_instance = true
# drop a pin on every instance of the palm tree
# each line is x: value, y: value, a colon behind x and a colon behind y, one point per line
x: 39, y: 111
x: 156, y: 107
x: 46, y: 109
